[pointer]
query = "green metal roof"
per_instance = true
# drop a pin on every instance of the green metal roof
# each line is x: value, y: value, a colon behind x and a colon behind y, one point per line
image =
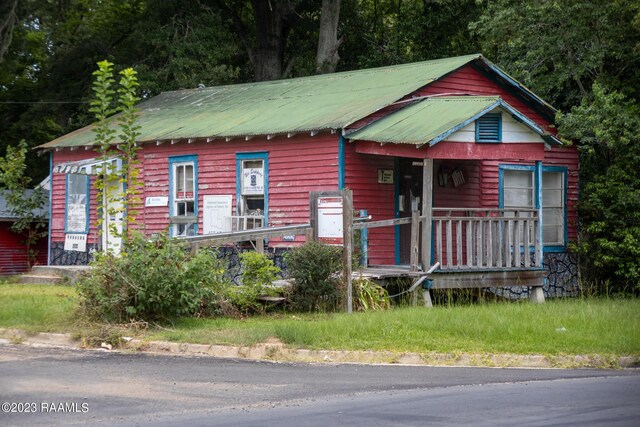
x: 329, y: 101
x: 432, y: 119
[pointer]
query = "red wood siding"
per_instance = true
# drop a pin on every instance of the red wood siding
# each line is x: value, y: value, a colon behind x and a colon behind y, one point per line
x: 13, y: 253
x: 468, y: 80
x: 361, y: 176
x: 297, y: 166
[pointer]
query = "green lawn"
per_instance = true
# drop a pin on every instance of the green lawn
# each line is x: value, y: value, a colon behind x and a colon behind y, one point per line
x: 37, y: 308
x: 572, y: 326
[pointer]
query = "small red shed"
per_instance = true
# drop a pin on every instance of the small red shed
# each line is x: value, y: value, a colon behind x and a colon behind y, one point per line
x: 456, y: 139
x: 14, y: 254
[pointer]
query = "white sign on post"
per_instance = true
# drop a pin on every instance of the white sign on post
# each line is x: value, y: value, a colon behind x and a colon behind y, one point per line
x: 216, y: 214
x: 330, y: 220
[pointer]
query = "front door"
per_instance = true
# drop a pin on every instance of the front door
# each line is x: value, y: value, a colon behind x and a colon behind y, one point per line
x: 409, y: 199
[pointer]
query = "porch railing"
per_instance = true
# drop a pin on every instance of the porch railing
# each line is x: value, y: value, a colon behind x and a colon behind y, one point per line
x: 485, y: 239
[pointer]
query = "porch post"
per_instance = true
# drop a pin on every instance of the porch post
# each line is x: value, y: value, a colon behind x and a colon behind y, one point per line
x: 538, y: 187
x: 427, y: 203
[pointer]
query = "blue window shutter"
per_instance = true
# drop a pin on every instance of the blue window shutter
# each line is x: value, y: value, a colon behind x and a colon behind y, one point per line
x: 489, y: 128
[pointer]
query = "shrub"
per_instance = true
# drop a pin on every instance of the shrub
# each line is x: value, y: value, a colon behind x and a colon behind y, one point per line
x: 155, y: 280
x: 316, y: 272
x: 368, y: 295
x: 258, y: 273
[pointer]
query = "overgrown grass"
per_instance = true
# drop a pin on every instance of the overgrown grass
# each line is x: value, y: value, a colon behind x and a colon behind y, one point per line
x: 575, y: 326
x: 37, y: 308
x: 571, y: 326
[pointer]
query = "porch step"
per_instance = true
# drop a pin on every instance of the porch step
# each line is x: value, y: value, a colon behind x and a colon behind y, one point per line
x: 53, y: 274
x: 42, y: 280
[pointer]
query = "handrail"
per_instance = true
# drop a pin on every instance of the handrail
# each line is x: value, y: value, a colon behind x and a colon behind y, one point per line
x: 245, y: 235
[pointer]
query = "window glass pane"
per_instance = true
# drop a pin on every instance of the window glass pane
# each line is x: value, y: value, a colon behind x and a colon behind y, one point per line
x: 518, y: 189
x: 77, y: 200
x: 188, y: 185
x: 179, y: 184
x: 553, y: 208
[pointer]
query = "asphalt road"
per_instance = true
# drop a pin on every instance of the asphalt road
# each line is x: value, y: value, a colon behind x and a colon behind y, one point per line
x: 70, y: 387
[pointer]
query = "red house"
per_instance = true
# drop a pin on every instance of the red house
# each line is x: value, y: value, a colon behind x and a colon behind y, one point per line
x: 457, y: 139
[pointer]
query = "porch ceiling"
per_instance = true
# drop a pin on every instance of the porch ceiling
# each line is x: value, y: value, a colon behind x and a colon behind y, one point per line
x: 430, y: 120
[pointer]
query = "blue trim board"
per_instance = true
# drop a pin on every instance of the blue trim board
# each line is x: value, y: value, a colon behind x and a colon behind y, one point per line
x: 50, y: 206
x: 538, y: 170
x: 66, y: 204
x: 538, y: 180
x: 184, y: 159
x: 258, y: 155
x: 364, y: 240
x: 341, y: 162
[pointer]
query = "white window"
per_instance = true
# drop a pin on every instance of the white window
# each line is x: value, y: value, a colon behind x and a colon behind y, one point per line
x: 77, y: 210
x: 519, y: 189
x: 251, y: 203
x: 553, y: 208
x: 184, y: 214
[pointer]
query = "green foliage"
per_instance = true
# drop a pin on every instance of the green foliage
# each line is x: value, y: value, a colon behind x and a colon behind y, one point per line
x: 257, y: 276
x: 27, y: 207
x: 157, y: 280
x: 103, y: 106
x: 258, y: 269
x: 368, y: 295
x: 559, y: 48
x: 608, y: 128
x: 316, y: 271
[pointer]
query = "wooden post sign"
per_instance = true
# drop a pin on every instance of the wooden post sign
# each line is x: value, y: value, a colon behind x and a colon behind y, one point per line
x: 326, y: 216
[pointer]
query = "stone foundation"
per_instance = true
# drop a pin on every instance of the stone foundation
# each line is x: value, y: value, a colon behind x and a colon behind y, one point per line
x: 561, y: 280
x: 61, y: 257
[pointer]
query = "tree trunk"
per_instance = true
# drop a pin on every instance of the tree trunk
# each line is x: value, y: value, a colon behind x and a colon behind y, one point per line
x: 271, y: 34
x: 327, y: 57
x: 7, y: 22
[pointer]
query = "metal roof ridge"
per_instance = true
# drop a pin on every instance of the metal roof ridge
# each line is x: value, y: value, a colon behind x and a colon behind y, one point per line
x: 329, y: 76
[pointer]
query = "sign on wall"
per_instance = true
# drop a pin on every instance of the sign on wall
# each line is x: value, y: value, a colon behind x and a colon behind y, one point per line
x: 330, y: 220
x: 157, y: 201
x: 216, y: 214
x: 385, y: 176
x: 75, y: 242
x: 77, y: 217
x: 252, y: 181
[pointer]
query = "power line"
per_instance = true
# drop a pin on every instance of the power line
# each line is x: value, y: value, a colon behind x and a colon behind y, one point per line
x: 44, y: 102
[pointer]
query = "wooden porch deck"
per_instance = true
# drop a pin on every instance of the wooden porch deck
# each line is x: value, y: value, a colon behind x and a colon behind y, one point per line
x: 459, y: 279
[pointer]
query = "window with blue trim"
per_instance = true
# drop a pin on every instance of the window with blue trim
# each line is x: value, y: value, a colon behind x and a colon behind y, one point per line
x: 252, y: 190
x: 77, y: 204
x: 489, y: 128
x: 519, y: 189
x: 183, y: 187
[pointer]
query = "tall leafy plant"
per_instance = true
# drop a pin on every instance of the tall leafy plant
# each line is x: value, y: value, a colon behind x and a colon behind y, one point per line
x: 108, y: 130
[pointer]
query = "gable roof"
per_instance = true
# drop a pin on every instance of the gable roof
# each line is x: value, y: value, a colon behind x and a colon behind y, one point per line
x: 328, y: 101
x: 432, y: 119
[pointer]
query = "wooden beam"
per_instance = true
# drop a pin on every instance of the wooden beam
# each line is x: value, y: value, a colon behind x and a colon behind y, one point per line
x: 427, y: 203
x: 415, y: 239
